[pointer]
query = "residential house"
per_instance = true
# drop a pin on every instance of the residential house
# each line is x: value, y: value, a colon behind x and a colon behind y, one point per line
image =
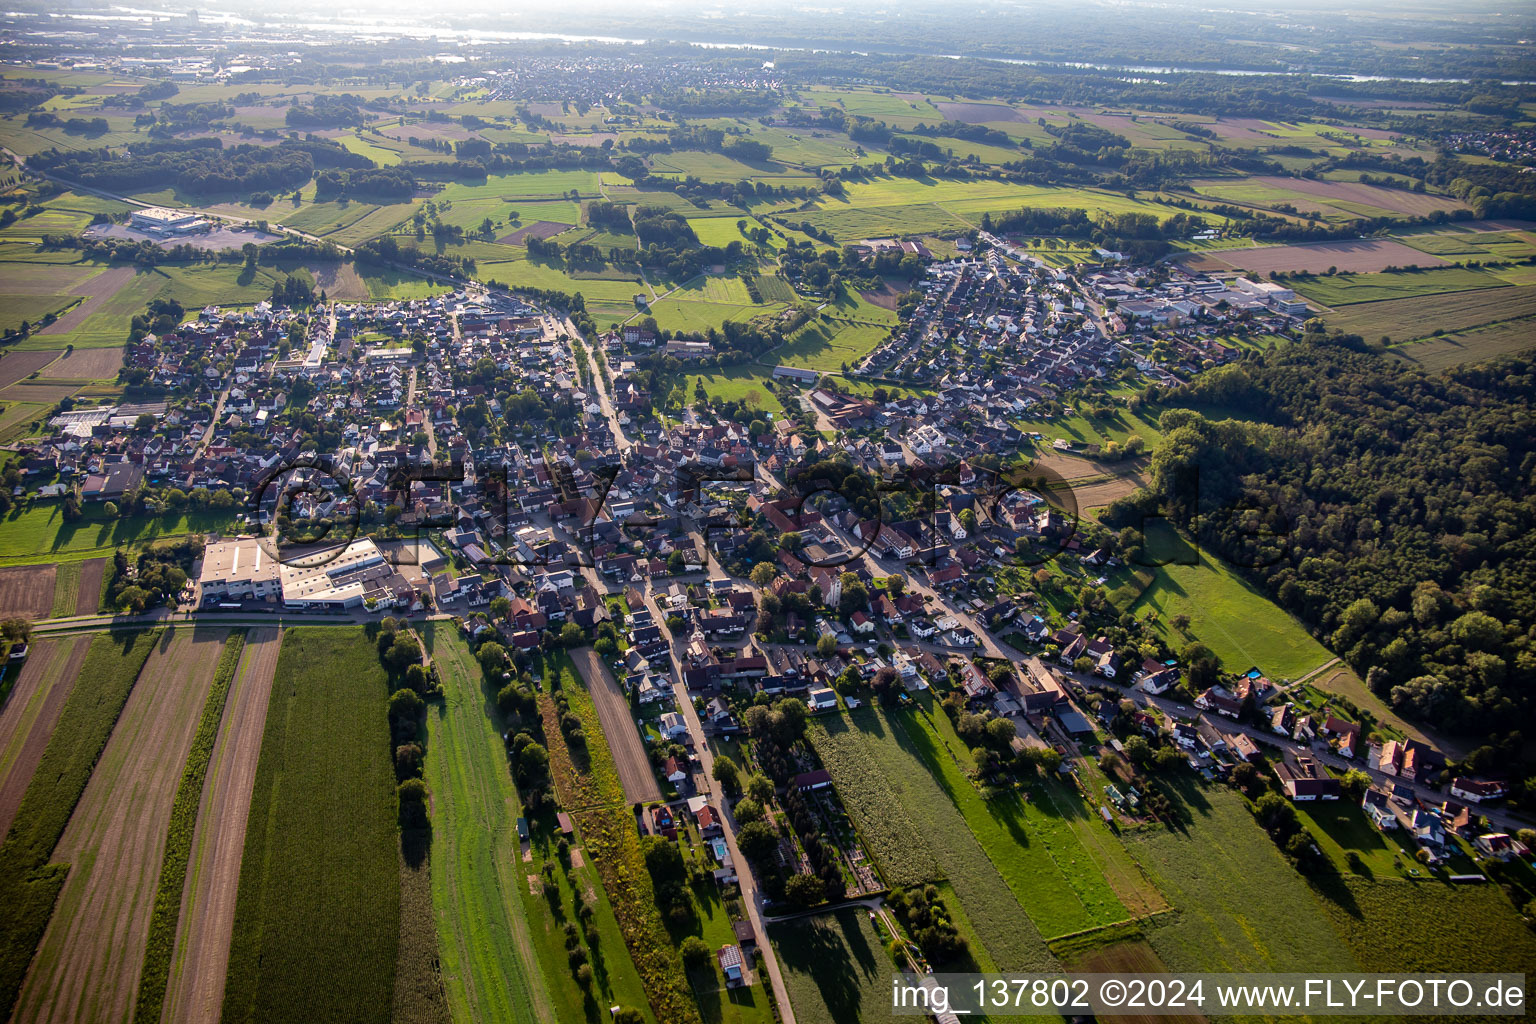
x: 731, y: 965
x: 1303, y: 779
x: 1378, y: 809
x: 1475, y: 791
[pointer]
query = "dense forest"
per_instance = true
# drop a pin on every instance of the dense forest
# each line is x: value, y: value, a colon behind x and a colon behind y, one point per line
x: 1390, y: 509
x: 198, y: 165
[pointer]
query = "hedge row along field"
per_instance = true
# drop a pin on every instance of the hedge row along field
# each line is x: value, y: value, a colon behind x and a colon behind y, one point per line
x: 613, y: 845
x: 28, y: 883
x: 178, y: 845
x: 318, y: 912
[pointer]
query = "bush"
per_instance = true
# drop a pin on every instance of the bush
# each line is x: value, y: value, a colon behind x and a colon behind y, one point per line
x: 696, y: 952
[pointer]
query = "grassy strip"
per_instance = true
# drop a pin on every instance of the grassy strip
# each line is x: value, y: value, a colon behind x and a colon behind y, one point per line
x: 29, y: 885
x: 178, y: 844
x: 317, y: 917
x: 490, y: 968
x: 1057, y: 896
x: 66, y: 588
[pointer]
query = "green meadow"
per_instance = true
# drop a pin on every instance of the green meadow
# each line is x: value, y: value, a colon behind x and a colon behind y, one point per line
x: 490, y: 968
x: 1242, y: 626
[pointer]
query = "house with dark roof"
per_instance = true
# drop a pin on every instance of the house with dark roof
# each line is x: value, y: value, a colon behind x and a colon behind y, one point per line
x: 1303, y: 779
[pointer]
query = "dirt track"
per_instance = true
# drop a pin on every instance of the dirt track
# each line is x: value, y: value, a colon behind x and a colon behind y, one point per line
x: 87, y: 967
x: 26, y: 591
x: 619, y: 727
x: 88, y: 599
x: 30, y: 714
x: 198, y: 966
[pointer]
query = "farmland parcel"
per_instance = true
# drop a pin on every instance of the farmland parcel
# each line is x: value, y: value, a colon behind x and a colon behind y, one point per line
x: 29, y: 885
x: 195, y: 989
x: 316, y: 924
x: 87, y: 967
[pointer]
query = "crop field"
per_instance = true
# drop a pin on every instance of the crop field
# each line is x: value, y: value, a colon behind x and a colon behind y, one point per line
x: 1347, y: 290
x: 490, y: 969
x: 1462, y: 245
x: 27, y: 591
x: 87, y: 364
x: 193, y: 989
x: 31, y: 309
x: 317, y: 918
x: 88, y: 596
x: 1240, y: 625
x: 719, y: 167
x: 892, y: 793
x: 1472, y: 346
x: 377, y: 221
x: 530, y: 185
x: 29, y: 882
x: 1210, y: 867
x: 1402, y: 926
x: 364, y: 147
x: 66, y: 589
x: 964, y: 149
x: 1421, y: 316
x: 87, y: 967
x: 115, y: 295
x: 17, y: 366
x: 86, y: 322
x: 19, y: 420
x: 874, y: 798
x: 967, y: 200
x: 31, y: 711
x: 853, y: 222
x: 809, y: 148
x: 514, y: 269
x: 1357, y: 255
x: 1333, y: 199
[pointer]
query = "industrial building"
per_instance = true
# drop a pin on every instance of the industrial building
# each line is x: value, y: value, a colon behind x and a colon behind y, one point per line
x: 246, y: 569
x: 157, y: 220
